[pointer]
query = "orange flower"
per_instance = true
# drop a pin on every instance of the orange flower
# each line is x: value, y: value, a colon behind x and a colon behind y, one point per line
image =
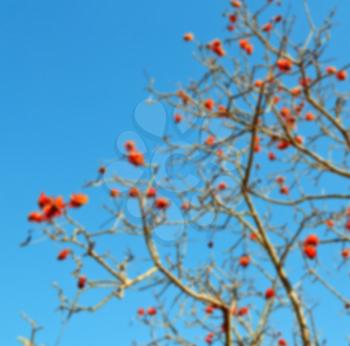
x: 136, y: 158
x: 54, y: 208
x: 36, y: 217
x: 44, y: 200
x: 284, y: 65
x: 216, y: 47
x: 78, y: 200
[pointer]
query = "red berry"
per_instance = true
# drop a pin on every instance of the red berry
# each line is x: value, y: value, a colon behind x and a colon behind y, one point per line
x: 82, y: 282
x: 141, y: 312
x: 222, y: 186
x: 130, y: 146
x: 63, y: 254
x: 271, y: 156
x: 210, y: 141
x: 188, y: 37
x: 347, y: 225
x: 236, y: 3
x: 162, y: 203
x: 177, y: 118
x: 151, y: 192
x: 134, y: 192
x: 269, y: 293
x: 283, y: 144
x: 209, y: 104
x: 114, y: 193
x: 345, y: 253
x: 102, y: 170
x: 151, y: 311
x: 312, y: 239
x: 310, y: 251
x: 309, y: 116
x: 267, y: 27
x: 77, y: 200
x: 284, y: 65
x: 330, y: 223
x: 342, y: 75
x: 243, y: 311
x: 331, y: 70
x: 136, y: 158
x: 244, y: 261
x: 284, y: 190
x: 209, y: 309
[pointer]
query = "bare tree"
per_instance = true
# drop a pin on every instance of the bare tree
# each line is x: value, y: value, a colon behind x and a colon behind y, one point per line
x: 251, y: 182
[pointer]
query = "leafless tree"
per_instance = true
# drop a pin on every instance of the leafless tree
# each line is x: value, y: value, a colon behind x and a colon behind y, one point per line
x: 239, y: 218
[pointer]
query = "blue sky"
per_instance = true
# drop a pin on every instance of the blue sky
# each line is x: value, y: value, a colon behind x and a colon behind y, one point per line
x: 72, y: 74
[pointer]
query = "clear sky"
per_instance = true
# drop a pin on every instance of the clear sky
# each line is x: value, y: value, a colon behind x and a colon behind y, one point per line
x: 72, y: 78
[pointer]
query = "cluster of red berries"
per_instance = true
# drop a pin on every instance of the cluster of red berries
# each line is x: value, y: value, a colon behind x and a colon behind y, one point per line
x: 310, y: 246
x: 151, y: 311
x: 135, y: 157
x: 52, y: 207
